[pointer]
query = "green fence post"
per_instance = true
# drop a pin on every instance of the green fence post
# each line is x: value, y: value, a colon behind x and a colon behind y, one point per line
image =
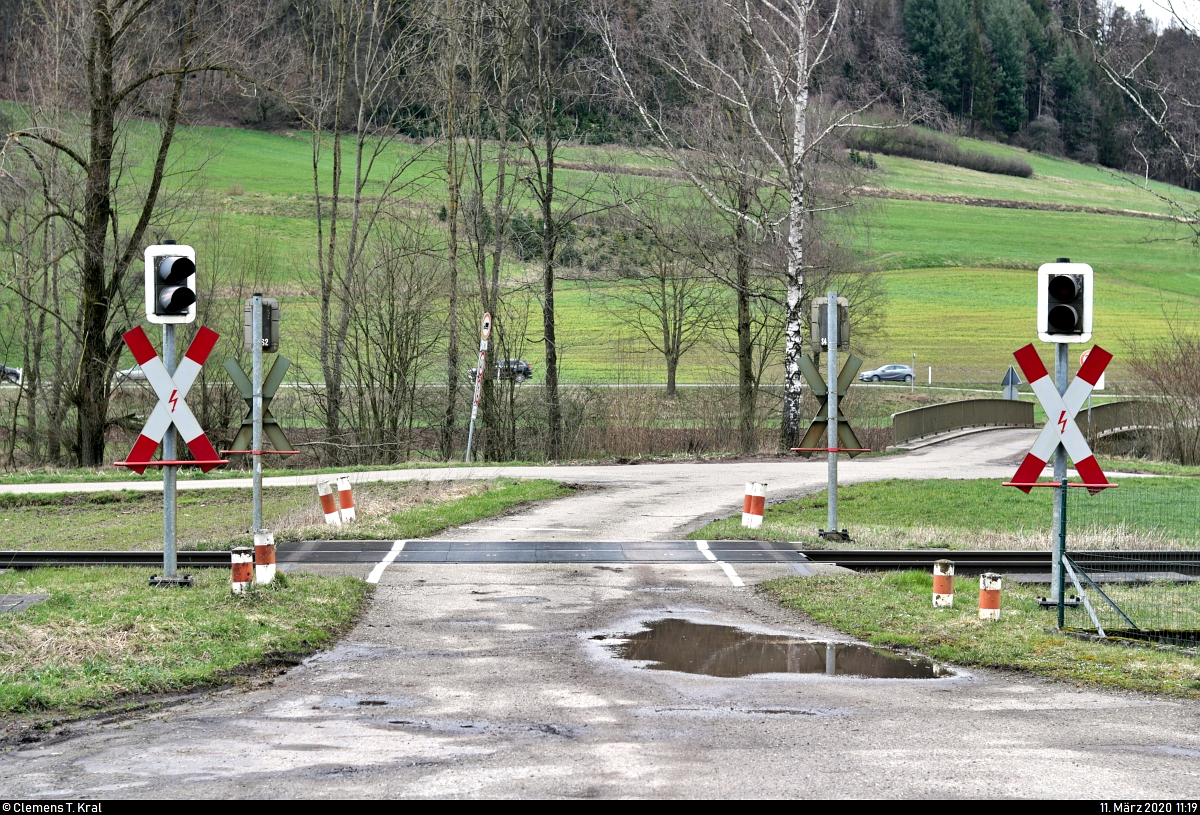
x: 1062, y: 552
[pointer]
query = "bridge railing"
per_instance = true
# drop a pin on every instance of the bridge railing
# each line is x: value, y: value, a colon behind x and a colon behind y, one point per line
x: 1113, y: 416
x: 926, y: 421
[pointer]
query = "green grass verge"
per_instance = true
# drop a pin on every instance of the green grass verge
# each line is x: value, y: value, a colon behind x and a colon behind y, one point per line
x: 974, y: 514
x: 895, y: 609
x: 73, y: 475
x: 104, y: 635
x: 1140, y: 465
x: 220, y: 518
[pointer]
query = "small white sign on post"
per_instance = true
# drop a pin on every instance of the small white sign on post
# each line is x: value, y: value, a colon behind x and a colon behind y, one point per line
x: 1099, y: 386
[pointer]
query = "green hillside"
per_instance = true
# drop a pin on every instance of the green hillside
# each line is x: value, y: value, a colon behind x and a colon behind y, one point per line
x: 959, y: 277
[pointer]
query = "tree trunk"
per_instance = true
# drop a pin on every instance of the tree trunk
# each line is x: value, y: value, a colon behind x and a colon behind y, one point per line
x: 549, y: 245
x: 793, y: 341
x: 452, y: 176
x: 745, y: 340
x: 91, y: 395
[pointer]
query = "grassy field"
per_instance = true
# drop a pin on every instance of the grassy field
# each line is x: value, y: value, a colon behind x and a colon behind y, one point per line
x: 895, y: 609
x: 972, y: 514
x: 1055, y: 181
x: 958, y: 278
x: 220, y: 518
x: 104, y: 635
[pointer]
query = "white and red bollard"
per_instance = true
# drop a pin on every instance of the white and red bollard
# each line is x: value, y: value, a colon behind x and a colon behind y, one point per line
x: 989, y: 596
x: 752, y: 506
x: 943, y: 584
x: 328, y: 504
x: 264, y: 557
x: 242, y: 559
x: 345, y: 499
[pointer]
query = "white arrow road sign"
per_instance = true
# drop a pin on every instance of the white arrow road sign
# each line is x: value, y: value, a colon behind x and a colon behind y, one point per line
x: 171, y: 408
x: 1060, y: 416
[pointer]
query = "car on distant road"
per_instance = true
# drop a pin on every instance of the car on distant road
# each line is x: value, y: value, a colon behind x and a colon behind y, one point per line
x: 134, y: 374
x: 12, y: 376
x: 888, y: 373
x: 516, y: 369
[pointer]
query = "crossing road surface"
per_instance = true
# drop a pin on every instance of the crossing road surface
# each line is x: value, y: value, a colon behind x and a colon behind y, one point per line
x: 503, y: 680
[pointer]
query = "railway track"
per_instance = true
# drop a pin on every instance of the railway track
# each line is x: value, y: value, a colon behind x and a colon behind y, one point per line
x: 436, y: 551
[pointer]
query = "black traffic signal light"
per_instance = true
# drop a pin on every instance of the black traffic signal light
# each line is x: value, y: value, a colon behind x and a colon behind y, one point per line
x: 170, y: 283
x: 1065, y: 302
x: 172, y: 295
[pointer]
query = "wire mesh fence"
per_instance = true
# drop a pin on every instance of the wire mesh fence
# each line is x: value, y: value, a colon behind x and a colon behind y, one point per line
x: 1133, y: 555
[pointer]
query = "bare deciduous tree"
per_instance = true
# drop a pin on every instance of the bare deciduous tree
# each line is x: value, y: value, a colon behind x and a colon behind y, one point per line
x: 758, y: 61
x: 358, y: 58
x: 114, y: 61
x: 1164, y: 90
x: 664, y: 294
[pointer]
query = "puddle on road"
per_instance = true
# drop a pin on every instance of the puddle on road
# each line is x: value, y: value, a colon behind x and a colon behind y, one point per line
x: 726, y: 651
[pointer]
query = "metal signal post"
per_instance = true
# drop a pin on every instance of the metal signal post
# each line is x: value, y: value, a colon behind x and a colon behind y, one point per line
x: 256, y: 378
x: 830, y: 332
x: 1064, y: 317
x: 831, y: 427
x: 170, y: 300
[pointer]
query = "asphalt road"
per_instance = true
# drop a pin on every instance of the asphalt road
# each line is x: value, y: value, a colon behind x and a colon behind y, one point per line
x: 486, y: 680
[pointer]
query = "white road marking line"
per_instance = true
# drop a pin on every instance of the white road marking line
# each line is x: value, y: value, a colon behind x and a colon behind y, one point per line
x: 731, y: 574
x: 522, y: 528
x: 377, y: 572
x: 725, y: 567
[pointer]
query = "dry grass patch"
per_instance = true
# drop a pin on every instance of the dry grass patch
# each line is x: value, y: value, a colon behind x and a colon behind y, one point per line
x: 105, y: 634
x: 220, y: 518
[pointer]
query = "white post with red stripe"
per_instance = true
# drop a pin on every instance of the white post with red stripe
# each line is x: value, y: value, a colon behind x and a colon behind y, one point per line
x: 345, y: 499
x: 328, y: 506
x: 753, y: 505
x: 242, y: 562
x: 943, y: 584
x: 990, y: 585
x: 264, y: 557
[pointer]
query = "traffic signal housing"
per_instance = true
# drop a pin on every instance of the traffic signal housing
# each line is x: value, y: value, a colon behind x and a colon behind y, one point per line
x: 819, y: 333
x: 1065, y: 302
x: 270, y: 324
x: 170, y: 283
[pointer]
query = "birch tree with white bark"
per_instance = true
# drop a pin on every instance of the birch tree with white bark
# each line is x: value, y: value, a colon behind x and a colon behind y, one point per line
x: 765, y: 62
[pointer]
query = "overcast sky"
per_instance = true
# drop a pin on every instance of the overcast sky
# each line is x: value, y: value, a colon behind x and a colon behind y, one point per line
x: 1160, y: 10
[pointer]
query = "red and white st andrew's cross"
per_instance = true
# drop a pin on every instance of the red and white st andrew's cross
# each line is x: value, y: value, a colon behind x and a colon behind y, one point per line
x: 171, y: 408
x: 1060, y: 417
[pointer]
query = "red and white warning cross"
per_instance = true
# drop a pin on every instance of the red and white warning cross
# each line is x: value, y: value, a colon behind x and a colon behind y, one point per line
x: 171, y: 408
x: 1060, y: 417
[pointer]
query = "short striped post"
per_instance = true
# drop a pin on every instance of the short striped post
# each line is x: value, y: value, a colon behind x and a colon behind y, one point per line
x: 989, y: 596
x: 325, y: 492
x: 242, y: 558
x: 345, y: 499
x: 943, y: 584
x: 752, y: 506
x: 264, y: 557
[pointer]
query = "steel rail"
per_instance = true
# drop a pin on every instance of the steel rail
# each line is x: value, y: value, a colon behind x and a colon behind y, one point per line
x: 335, y: 551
